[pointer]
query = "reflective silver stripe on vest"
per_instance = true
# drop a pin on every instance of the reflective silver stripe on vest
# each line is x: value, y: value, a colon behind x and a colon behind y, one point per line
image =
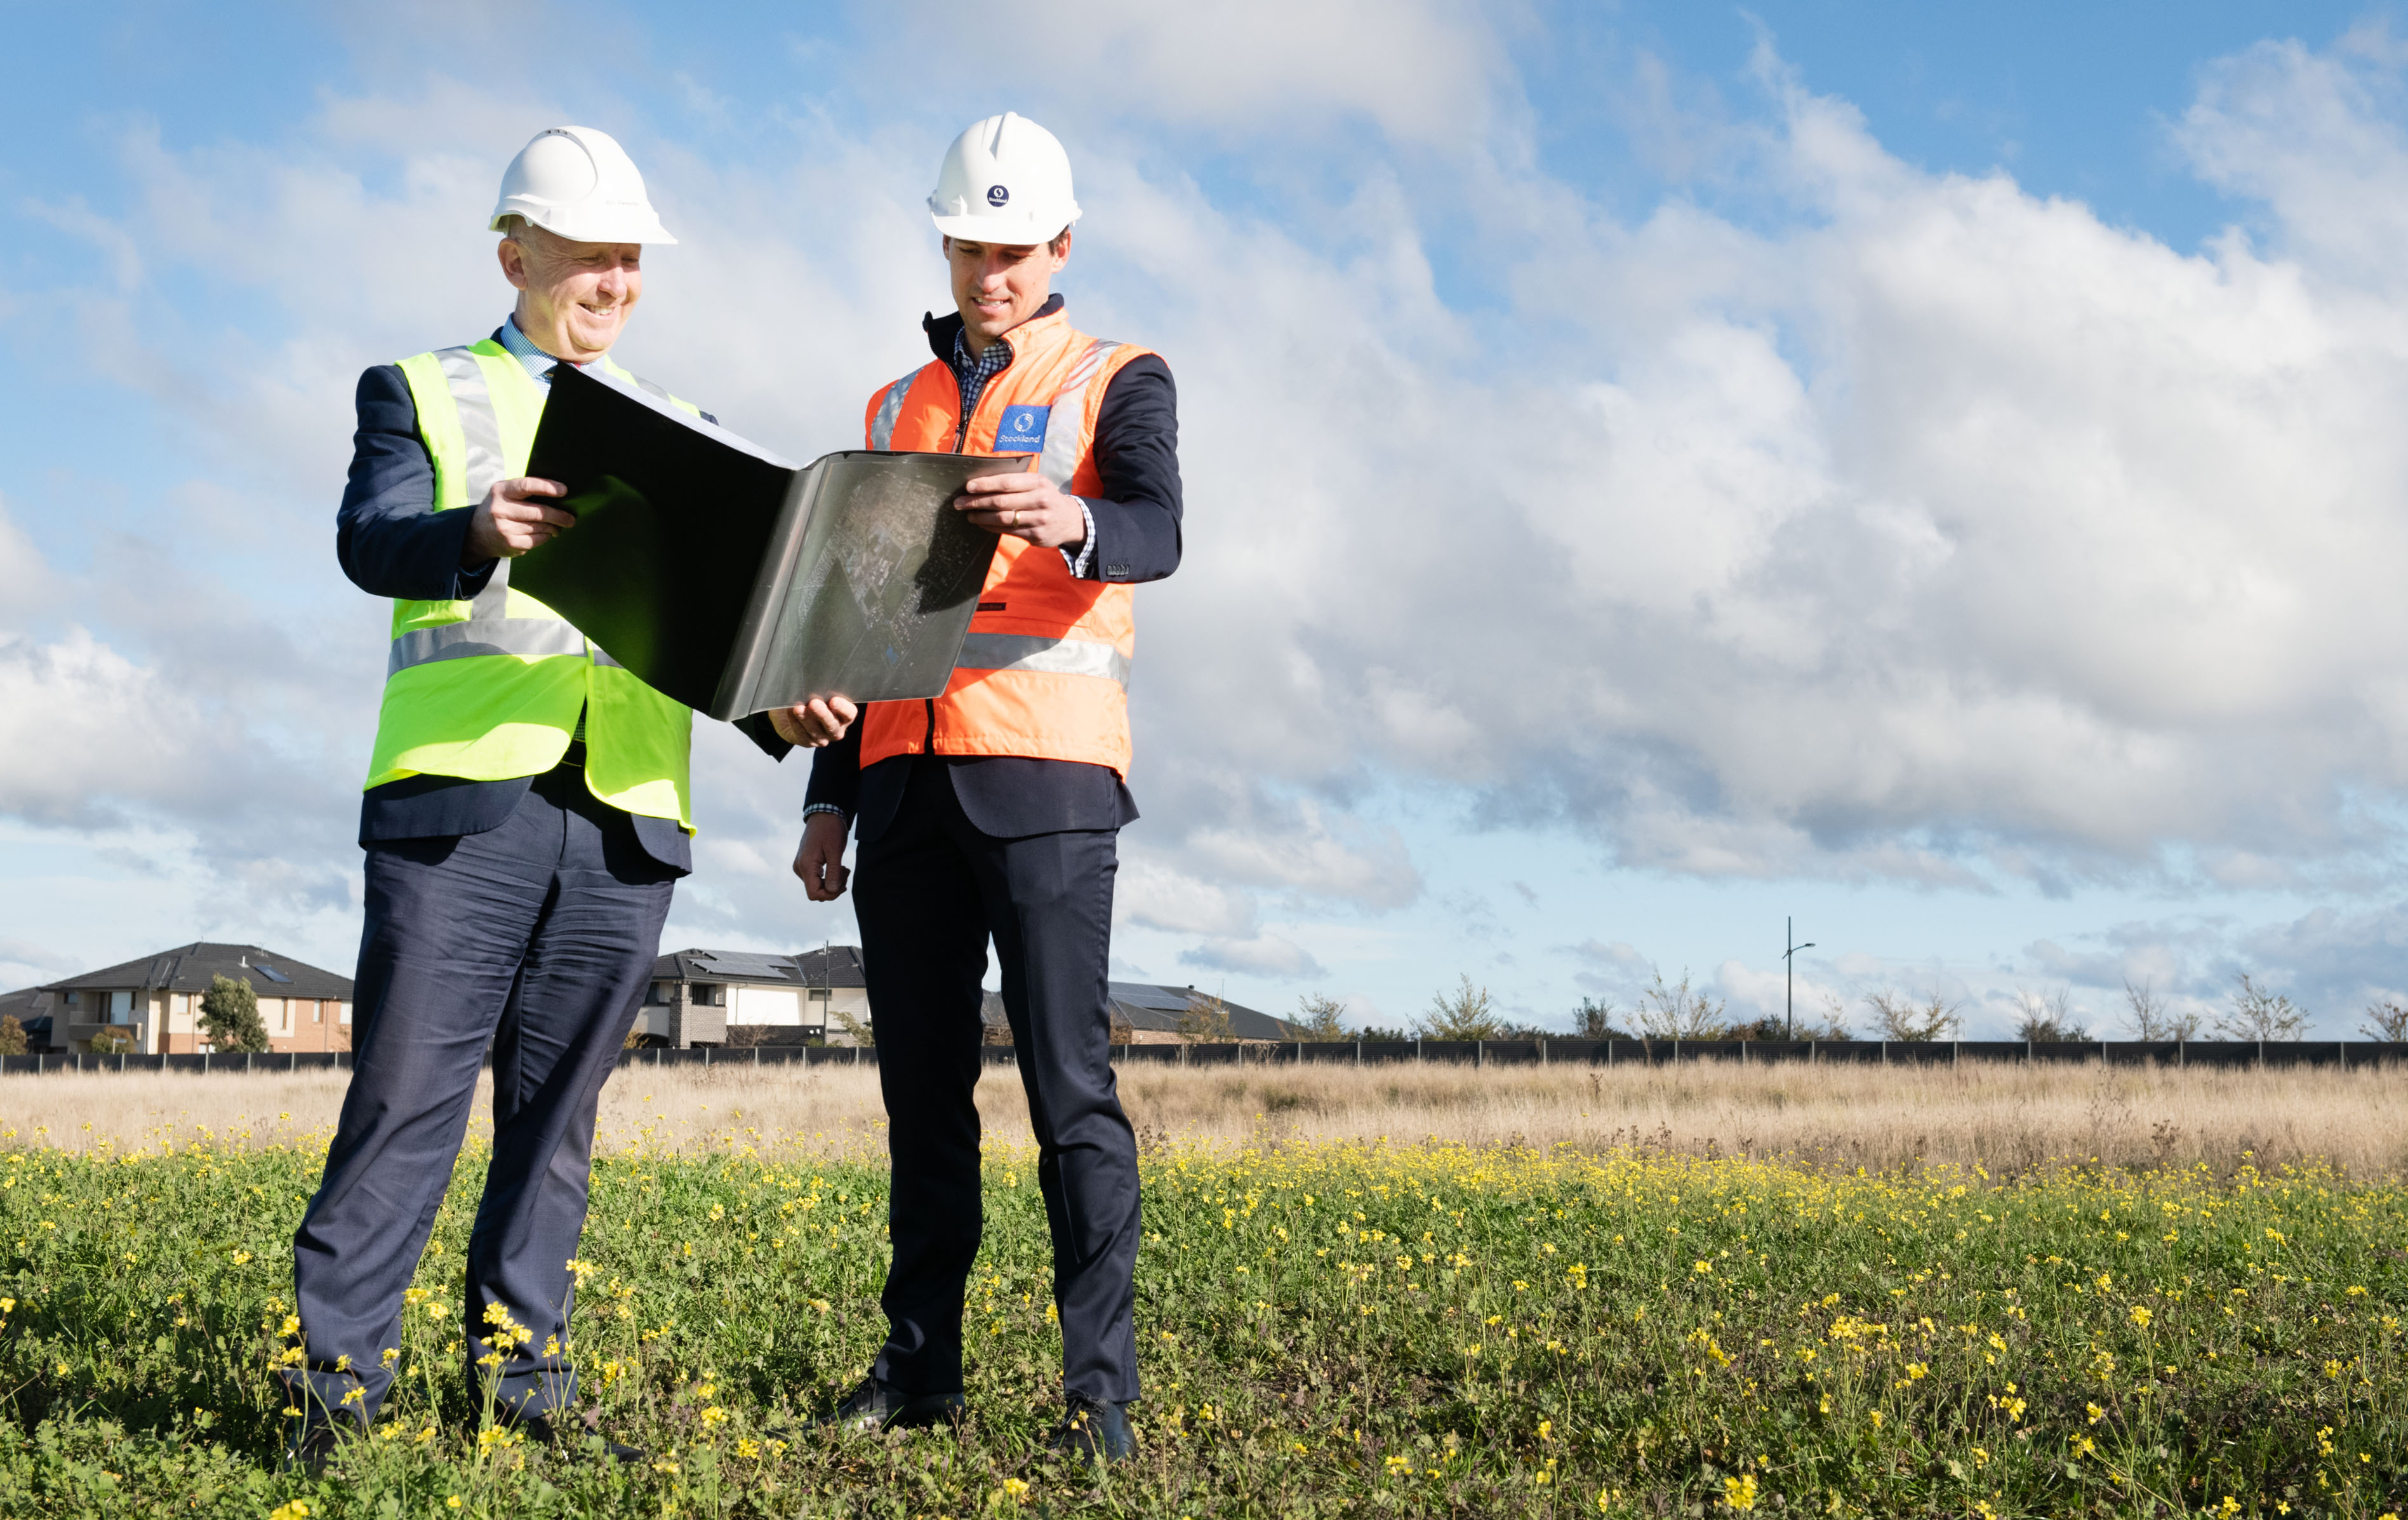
x: 488, y: 629
x: 650, y: 389
x: 1060, y: 460
x: 527, y: 637
x: 602, y: 657
x: 881, y: 427
x: 480, y: 429
x: 1053, y: 656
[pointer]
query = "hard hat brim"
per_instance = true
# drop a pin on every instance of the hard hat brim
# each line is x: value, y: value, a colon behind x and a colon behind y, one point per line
x: 1010, y: 231
x: 622, y: 227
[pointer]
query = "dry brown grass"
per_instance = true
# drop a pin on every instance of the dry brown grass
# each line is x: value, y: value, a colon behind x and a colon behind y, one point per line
x: 2008, y: 1117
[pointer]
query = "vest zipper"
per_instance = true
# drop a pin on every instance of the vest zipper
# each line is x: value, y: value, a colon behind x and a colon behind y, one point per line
x: 961, y: 436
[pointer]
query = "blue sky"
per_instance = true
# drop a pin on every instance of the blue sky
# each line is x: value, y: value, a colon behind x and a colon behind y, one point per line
x: 1652, y: 468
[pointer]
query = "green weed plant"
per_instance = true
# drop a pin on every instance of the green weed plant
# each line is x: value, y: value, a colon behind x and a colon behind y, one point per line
x: 1324, y: 1330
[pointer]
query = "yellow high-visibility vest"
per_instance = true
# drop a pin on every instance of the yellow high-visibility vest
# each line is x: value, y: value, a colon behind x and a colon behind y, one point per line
x: 490, y: 688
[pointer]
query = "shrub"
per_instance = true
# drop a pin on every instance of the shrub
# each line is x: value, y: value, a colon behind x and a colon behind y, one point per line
x: 12, y: 1035
x: 1594, y: 1019
x: 1321, y: 1019
x: 1904, y: 1019
x: 230, y: 1016
x: 1466, y: 1014
x: 2048, y: 1016
x: 1205, y: 1021
x: 1675, y: 1012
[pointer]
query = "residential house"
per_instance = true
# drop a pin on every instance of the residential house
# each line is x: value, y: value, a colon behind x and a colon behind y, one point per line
x: 155, y: 1001
x: 748, y: 998
x: 1144, y: 1014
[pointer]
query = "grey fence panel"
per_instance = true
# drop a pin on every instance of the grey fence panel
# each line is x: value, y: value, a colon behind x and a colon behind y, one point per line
x: 1859, y: 1052
x: 1153, y: 1054
x: 315, y: 1061
x: 777, y: 1055
x: 1388, y: 1050
x: 1218, y: 1054
x: 1989, y: 1050
x: 143, y: 1063
x: 1710, y: 1049
x: 2376, y: 1052
x: 1575, y: 1052
x: 2142, y: 1052
x: 1779, y: 1050
x: 1509, y: 1053
x: 1313, y: 1053
x: 1920, y: 1051
x: 2302, y: 1052
x: 830, y: 1055
x: 12, y: 1066
x: 2064, y: 1052
x: 1462, y: 1052
x: 998, y: 1055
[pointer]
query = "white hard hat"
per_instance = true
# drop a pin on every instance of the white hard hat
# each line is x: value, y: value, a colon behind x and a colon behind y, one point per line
x: 1005, y: 181
x: 578, y: 183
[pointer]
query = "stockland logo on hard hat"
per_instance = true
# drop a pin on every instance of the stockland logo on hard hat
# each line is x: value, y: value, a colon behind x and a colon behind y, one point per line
x: 1024, y: 428
x: 996, y: 195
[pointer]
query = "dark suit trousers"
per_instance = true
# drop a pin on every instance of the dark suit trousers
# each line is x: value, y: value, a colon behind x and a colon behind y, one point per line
x: 538, y: 936
x: 930, y: 890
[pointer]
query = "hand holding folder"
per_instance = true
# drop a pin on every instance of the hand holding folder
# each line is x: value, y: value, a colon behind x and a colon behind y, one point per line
x: 730, y: 580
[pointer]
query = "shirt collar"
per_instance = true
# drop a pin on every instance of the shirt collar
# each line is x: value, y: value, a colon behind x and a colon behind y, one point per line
x: 538, y: 364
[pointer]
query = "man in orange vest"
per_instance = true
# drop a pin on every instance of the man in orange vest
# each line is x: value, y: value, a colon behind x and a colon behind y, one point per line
x: 993, y: 810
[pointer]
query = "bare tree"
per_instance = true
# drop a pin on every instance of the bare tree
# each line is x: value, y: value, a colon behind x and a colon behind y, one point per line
x: 2259, y: 1014
x: 2386, y: 1019
x: 1320, y: 1018
x: 1835, y: 1020
x: 1675, y: 1012
x: 1902, y: 1018
x: 1465, y: 1013
x: 2149, y: 1016
x: 2048, y: 1016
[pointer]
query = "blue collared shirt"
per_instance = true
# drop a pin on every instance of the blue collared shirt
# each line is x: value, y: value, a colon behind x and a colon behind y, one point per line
x: 971, y: 375
x: 538, y: 364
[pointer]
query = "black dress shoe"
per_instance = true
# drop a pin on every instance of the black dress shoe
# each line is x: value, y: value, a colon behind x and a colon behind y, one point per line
x: 882, y: 1405
x: 1093, y: 1432
x: 319, y: 1440
x: 570, y: 1439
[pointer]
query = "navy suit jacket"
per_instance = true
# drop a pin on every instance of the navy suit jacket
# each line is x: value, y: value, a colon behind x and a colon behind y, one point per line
x: 1139, y: 535
x: 393, y: 543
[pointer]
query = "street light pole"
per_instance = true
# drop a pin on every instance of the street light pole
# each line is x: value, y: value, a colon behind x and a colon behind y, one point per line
x: 1789, y: 971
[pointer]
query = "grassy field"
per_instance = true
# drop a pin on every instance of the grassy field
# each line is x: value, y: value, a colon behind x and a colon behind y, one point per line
x: 1330, y: 1327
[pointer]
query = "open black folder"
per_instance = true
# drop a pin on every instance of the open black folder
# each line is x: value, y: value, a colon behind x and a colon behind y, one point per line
x: 734, y: 581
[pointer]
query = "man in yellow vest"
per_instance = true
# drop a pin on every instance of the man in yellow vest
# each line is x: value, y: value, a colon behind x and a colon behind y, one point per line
x: 992, y: 811
x: 525, y: 818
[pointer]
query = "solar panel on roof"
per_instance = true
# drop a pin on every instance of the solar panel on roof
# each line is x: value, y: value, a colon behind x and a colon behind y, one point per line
x: 1144, y: 994
x: 270, y: 972
x: 739, y: 962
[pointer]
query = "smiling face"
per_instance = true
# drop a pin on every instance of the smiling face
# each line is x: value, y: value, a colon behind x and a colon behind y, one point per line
x: 998, y: 286
x: 573, y: 298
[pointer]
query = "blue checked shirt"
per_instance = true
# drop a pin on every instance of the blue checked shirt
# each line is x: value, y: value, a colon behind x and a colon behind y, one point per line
x: 538, y: 364
x: 971, y: 375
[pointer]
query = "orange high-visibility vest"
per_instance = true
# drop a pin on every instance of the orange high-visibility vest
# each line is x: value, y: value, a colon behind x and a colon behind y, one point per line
x: 1044, y: 673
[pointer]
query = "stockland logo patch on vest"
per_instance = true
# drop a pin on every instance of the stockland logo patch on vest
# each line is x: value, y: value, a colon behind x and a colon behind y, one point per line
x: 1021, y: 430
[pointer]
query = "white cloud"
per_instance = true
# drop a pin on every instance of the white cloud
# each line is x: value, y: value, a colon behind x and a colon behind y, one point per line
x: 1887, y: 524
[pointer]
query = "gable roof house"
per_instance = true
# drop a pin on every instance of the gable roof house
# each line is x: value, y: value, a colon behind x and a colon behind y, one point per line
x: 1144, y: 1014
x: 155, y: 1001
x: 751, y: 997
